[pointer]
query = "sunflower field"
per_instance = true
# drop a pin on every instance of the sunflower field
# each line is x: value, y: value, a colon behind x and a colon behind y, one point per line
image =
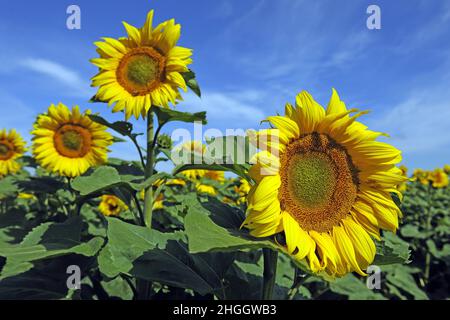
x: 311, y: 206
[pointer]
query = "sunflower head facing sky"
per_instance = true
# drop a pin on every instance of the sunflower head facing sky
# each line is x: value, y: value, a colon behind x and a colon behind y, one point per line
x: 68, y: 142
x: 142, y: 70
x: 326, y: 184
x: 12, y: 147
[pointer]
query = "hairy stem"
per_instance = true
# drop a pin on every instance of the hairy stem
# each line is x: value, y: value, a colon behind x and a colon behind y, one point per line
x: 142, y: 286
x: 148, y: 198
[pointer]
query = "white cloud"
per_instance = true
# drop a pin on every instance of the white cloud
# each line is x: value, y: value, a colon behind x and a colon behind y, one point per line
x: 232, y: 109
x: 419, y: 126
x: 303, y: 40
x: 60, y: 73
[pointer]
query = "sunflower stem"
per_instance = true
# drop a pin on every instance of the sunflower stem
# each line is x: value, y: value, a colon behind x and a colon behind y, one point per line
x: 299, y: 280
x: 270, y: 272
x: 148, y: 198
x: 143, y: 286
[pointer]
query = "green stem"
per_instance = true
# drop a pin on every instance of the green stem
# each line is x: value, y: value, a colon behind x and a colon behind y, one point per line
x: 143, y: 286
x: 148, y: 198
x: 299, y: 279
x: 141, y: 157
x: 270, y: 272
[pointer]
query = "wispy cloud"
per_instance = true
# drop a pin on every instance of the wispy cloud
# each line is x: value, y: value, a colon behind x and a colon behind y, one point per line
x: 60, y: 73
x: 240, y: 109
x: 303, y: 43
x: 419, y: 126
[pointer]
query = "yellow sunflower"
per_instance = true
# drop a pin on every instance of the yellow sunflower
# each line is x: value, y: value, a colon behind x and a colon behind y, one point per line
x: 218, y: 176
x: 421, y: 176
x: 143, y: 69
x: 158, y: 204
x: 169, y: 182
x: 204, y: 188
x: 26, y: 196
x: 438, y: 178
x: 326, y: 184
x: 69, y: 142
x: 188, y: 151
x: 12, y: 147
x: 403, y: 186
x: 242, y: 190
x: 447, y: 168
x: 111, y: 206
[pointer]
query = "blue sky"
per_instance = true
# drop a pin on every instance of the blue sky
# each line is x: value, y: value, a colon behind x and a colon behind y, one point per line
x: 250, y: 58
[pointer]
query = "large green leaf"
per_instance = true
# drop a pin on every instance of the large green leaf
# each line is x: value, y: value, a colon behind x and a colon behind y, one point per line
x: 391, y: 250
x: 401, y: 277
x: 227, y: 153
x: 168, y: 115
x: 151, y: 255
x: 105, y: 178
x: 210, y: 227
x: 47, y: 279
x: 213, y: 226
x: 48, y: 240
x: 444, y: 253
x: 412, y: 231
x: 354, y: 289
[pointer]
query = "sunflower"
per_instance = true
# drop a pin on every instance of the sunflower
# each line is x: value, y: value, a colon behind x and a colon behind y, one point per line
x: 142, y: 70
x: 215, y: 175
x: 158, y: 204
x: 326, y: 184
x: 204, y: 188
x: 242, y: 190
x: 169, y: 182
x: 402, y: 187
x: 438, y: 178
x: 447, y: 168
x: 26, y: 196
x: 111, y: 206
x: 421, y: 176
x: 68, y: 142
x: 190, y: 151
x: 12, y: 147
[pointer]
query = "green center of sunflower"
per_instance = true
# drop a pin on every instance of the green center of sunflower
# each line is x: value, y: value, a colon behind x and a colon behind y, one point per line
x: 72, y: 141
x: 3, y: 149
x: 318, y: 182
x: 312, y: 179
x: 140, y: 70
x: 6, y: 150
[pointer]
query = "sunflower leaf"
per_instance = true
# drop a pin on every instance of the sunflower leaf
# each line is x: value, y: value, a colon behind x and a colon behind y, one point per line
x: 391, y: 250
x: 106, y: 178
x: 146, y: 254
x: 47, y: 240
x: 191, y: 82
x: 168, y: 115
